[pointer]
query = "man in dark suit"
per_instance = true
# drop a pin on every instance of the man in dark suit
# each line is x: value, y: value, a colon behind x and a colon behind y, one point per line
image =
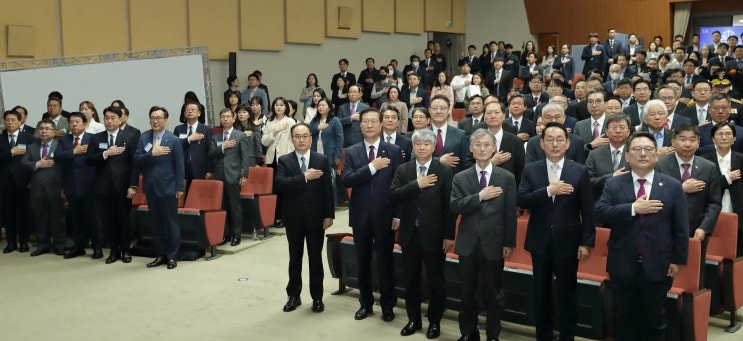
x: 475, y: 107
x: 485, y: 196
x: 719, y: 111
x: 231, y: 151
x: 669, y: 96
x: 473, y: 60
x: 499, y: 80
x: 649, y: 240
x: 606, y: 162
x: 45, y: 187
x: 701, y: 93
x: 690, y: 77
x: 737, y: 65
x: 414, y: 67
x: 594, y: 55
x: 509, y: 148
x: 431, y: 67
x: 612, y: 46
x: 536, y: 95
x: 451, y: 144
x: 14, y: 182
x: 554, y: 112
x: 160, y: 156
x: 641, y: 91
x: 593, y: 129
x: 565, y: 63
x: 348, y: 76
x: 112, y: 154
x: 24, y: 115
x: 720, y: 54
x: 303, y: 178
x: 523, y: 127
x: 349, y: 115
x: 700, y: 181
x: 423, y: 187
x: 368, y: 170
x: 390, y: 124
x: 77, y: 182
x: 195, y: 140
x: 420, y: 99
x: 561, y: 226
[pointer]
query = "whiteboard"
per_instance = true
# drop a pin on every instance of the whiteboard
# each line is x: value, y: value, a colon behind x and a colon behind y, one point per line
x: 139, y: 83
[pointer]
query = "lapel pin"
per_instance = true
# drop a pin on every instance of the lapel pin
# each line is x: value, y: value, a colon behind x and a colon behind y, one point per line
x: 660, y: 184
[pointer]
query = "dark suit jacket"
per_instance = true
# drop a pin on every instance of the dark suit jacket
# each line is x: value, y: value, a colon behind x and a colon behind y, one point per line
x: 569, y: 219
x: 664, y: 235
x: 430, y: 75
x: 13, y: 175
x: 525, y: 126
x: 351, y: 128
x: 584, y: 130
x: 613, y: 50
x: 332, y: 139
x: 474, y: 64
x: 468, y: 125
x: 688, y: 112
x: 634, y: 114
x: 118, y: 171
x: 369, y: 199
x: 706, y: 144
x: 493, y: 222
x: 233, y: 163
x: 594, y: 62
x: 44, y: 182
x: 457, y: 143
x: 420, y: 92
x: 686, y: 93
x: 526, y: 76
x: 425, y: 209
x: 197, y: 151
x: 513, y: 144
x: 350, y: 80
x: 568, y: 67
x: 529, y: 99
x: 575, y: 152
x: 77, y: 175
x: 704, y: 206
x: 406, y: 146
x: 162, y: 176
x: 310, y: 201
x: 735, y: 188
x: 28, y: 129
x: 505, y: 84
x: 600, y: 168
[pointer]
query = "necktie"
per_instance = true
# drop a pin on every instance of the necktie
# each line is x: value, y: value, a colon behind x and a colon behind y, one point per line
x: 226, y: 136
x: 702, y: 114
x: 439, y: 143
x: 495, y: 145
x: 611, y: 43
x: 111, y: 140
x: 615, y: 158
x: 483, y: 180
x: 666, y: 125
x: 554, y: 175
x: 422, y: 170
x: 303, y: 166
x: 475, y: 122
x: 353, y: 108
x: 658, y: 140
x: 685, y: 175
x: 389, y: 138
x: 371, y: 153
x: 190, y: 130
x: 595, y: 129
x: 640, y: 112
x: 516, y: 125
x: 77, y: 140
x: 44, y: 151
x: 641, y: 192
x: 12, y: 140
x: 688, y: 79
x: 157, y: 141
x: 536, y: 100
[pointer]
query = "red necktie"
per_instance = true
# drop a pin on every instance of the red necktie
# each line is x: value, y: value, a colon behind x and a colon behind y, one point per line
x: 371, y: 153
x: 439, y: 143
x: 685, y: 175
x: 77, y: 139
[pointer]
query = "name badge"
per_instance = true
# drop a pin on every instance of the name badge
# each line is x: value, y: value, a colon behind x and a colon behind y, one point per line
x: 183, y: 136
x: 103, y: 145
x: 148, y: 147
x: 51, y: 155
x: 219, y: 143
x: 21, y: 145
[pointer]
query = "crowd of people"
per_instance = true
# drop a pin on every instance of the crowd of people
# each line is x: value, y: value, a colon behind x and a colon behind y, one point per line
x: 575, y: 151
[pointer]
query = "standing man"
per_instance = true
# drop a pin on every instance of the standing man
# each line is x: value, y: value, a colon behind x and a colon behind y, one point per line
x: 367, y: 77
x: 195, y: 140
x: 303, y: 179
x: 253, y: 90
x: 594, y: 55
x: 390, y: 123
x: 231, y: 152
x: 160, y: 156
x: 112, y: 154
x: 348, y: 76
x: 459, y: 83
x: 368, y: 170
x: 423, y: 187
x: 499, y: 80
x: 45, y: 186
x: 607, y: 161
x: 349, y: 115
x: 451, y: 144
x: 649, y: 240
x: 565, y: 64
x: 613, y: 47
x: 593, y: 129
x: 14, y: 182
x: 561, y: 229
x: 485, y: 196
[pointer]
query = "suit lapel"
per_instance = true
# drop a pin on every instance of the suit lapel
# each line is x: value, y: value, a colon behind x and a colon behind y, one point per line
x: 629, y: 187
x: 657, y: 187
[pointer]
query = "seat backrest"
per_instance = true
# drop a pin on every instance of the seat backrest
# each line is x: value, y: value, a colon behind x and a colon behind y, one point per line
x: 204, y: 195
x: 688, y: 278
x: 519, y: 254
x: 343, y: 158
x: 216, y: 130
x: 596, y: 262
x: 457, y: 114
x: 139, y: 198
x: 724, y: 238
x: 577, y: 77
x: 260, y: 181
x: 517, y: 83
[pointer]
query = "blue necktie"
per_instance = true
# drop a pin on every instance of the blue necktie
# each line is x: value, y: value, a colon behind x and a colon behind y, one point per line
x: 303, y: 166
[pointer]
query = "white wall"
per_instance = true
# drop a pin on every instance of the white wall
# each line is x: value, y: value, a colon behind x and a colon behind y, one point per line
x: 497, y: 20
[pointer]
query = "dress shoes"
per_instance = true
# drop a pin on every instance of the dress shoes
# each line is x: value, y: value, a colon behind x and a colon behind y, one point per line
x: 23, y: 248
x: 113, y: 257
x: 235, y: 241
x: 362, y: 313
x: 59, y: 252
x: 387, y: 315
x: 434, y: 331
x: 10, y: 248
x: 39, y: 252
x: 318, y: 306
x: 126, y: 257
x: 411, y: 328
x: 292, y: 303
x: 97, y: 254
x: 172, y: 264
x: 74, y: 252
x: 470, y: 337
x: 157, y: 262
x: 225, y: 240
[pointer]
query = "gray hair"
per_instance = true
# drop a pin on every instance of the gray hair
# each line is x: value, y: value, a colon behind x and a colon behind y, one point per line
x: 477, y: 134
x: 553, y: 107
x: 425, y: 135
x: 654, y: 103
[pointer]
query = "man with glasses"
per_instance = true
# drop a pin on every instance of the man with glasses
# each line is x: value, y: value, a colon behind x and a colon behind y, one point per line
x: 648, y: 217
x: 641, y: 90
x: 349, y: 115
x: 476, y: 107
x: 522, y: 126
x: 699, y: 112
x: 536, y: 94
x: 195, y: 140
x: 719, y: 111
x: 608, y: 161
x: 554, y: 112
x: 592, y: 130
x: 669, y: 96
x: 451, y: 143
x: 14, y: 182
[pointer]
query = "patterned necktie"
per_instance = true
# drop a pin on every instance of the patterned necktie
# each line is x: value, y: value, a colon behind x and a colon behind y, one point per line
x: 688, y: 79
x: 303, y: 166
x: 483, y: 180
x: 371, y: 153
x: 615, y: 158
x: 44, y: 151
x: 595, y: 129
x: 157, y: 141
x: 702, y: 114
x: 685, y: 175
x: 389, y: 139
x: 641, y: 192
x: 353, y: 108
x: 226, y: 136
x: 422, y: 170
x: 439, y: 144
x: 516, y: 125
x: 77, y: 141
x: 12, y: 140
x: 554, y: 175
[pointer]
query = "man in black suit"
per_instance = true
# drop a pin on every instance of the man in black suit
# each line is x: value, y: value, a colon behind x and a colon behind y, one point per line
x: 390, y: 123
x: 499, y: 80
x: 641, y: 90
x: 348, y: 76
x: 719, y: 111
x: 561, y: 226
x: 368, y: 170
x: 77, y: 182
x: 476, y: 108
x: 451, y: 144
x: 303, y: 178
x: 423, y: 187
x: 349, y: 115
x: 430, y: 66
x: 594, y: 55
x: 367, y: 77
x: 736, y: 64
x: 566, y: 64
x: 554, y: 112
x: 419, y: 98
x: 195, y: 139
x: 414, y: 67
x: 24, y: 115
x: 536, y: 95
x: 700, y: 181
x: 511, y: 61
x: 485, y: 196
x: 45, y: 187
x: 112, y: 154
x: 509, y: 148
x: 523, y: 127
x: 473, y: 60
x: 438, y: 56
x: 613, y: 47
x: 14, y: 182
x: 720, y: 54
x: 701, y: 92
x: 606, y: 162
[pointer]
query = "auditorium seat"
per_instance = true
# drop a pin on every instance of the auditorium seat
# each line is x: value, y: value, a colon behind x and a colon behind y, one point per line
x: 452, y: 279
x: 687, y: 305
x: 724, y: 272
x: 457, y: 114
x: 201, y: 218
x: 518, y: 83
x: 576, y: 78
x: 257, y: 200
x: 518, y: 281
x: 593, y: 296
x: 335, y: 259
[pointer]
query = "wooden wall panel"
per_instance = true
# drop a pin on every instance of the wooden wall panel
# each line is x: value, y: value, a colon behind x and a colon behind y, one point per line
x: 409, y: 17
x: 438, y: 13
x: 712, y: 6
x: 458, y: 16
x: 157, y: 24
x: 213, y: 23
x: 93, y: 26
x: 41, y: 15
x: 262, y: 25
x: 305, y: 21
x: 378, y: 15
x: 332, y: 18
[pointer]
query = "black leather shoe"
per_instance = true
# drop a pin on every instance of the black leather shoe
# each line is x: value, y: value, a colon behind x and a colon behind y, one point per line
x: 39, y: 252
x: 157, y: 262
x: 59, y: 252
x: 387, y: 315
x: 411, y: 328
x: 434, y: 331
x: 10, y: 248
x: 172, y: 264
x: 471, y: 337
x: 292, y: 303
x: 126, y: 257
x: 74, y: 252
x: 113, y: 257
x: 97, y: 254
x: 23, y: 248
x: 225, y: 240
x: 362, y: 313
x: 235, y: 241
x: 318, y: 306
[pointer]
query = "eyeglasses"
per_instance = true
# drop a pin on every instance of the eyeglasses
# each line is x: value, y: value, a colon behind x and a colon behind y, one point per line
x: 439, y: 108
x: 370, y: 122
x: 617, y: 128
x: 551, y: 141
x: 479, y: 145
x: 719, y: 108
x: 595, y: 102
x: 157, y: 118
x: 638, y: 150
x: 301, y: 137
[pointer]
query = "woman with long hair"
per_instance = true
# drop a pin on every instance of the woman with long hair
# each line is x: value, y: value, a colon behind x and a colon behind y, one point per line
x: 327, y: 138
x: 442, y: 87
x: 528, y: 48
x: 91, y: 114
x: 340, y: 97
x: 305, y: 96
x: 311, y: 110
x: 234, y: 100
x: 548, y: 59
x: 476, y: 88
x: 394, y: 95
x: 653, y: 51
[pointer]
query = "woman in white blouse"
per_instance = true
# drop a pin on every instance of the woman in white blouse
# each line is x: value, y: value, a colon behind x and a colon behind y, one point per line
x: 276, y: 137
x: 94, y: 126
x: 440, y: 87
x: 476, y: 88
x: 311, y: 110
